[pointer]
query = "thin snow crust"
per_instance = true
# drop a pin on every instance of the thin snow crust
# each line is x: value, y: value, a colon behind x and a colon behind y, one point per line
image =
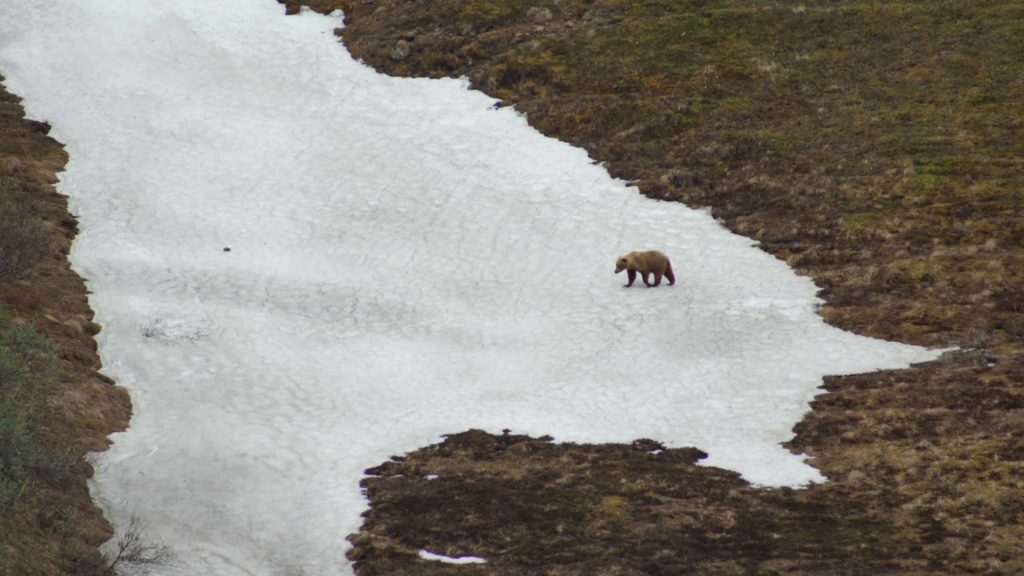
x: 405, y: 261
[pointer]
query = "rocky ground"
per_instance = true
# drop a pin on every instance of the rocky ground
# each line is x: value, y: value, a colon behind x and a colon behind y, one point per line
x: 873, y: 146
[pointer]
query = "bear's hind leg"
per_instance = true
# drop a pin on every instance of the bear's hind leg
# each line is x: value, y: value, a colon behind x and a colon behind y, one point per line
x: 657, y: 279
x: 646, y: 281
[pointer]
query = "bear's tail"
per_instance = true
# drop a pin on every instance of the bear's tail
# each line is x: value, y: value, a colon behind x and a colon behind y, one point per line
x: 668, y: 273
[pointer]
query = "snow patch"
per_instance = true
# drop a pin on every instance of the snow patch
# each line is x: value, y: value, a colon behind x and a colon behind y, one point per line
x: 451, y: 559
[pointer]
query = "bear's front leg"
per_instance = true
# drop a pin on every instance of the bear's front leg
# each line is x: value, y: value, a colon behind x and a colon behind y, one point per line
x: 632, y: 277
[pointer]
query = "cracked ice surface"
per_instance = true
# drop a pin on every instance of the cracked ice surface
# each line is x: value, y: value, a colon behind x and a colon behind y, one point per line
x: 405, y: 262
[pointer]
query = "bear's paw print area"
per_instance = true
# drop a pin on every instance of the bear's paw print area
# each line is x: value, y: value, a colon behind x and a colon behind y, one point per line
x: 405, y: 261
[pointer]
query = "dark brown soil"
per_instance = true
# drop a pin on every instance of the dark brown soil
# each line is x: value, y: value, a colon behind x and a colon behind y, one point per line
x: 55, y: 528
x: 873, y: 146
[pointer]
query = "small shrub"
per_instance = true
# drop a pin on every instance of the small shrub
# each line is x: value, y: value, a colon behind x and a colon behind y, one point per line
x: 24, y: 354
x: 15, y: 440
x: 13, y: 373
x: 11, y: 490
x: 17, y: 453
x: 26, y: 344
x: 136, y: 551
x: 23, y: 241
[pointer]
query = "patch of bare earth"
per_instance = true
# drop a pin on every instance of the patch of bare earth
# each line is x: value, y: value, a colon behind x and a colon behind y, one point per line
x: 873, y: 146
x: 53, y: 527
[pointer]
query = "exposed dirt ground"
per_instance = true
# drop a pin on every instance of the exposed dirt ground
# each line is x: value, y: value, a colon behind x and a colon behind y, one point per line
x: 55, y: 528
x: 876, y: 147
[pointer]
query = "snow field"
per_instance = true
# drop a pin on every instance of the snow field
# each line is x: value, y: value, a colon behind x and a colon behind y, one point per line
x: 405, y: 261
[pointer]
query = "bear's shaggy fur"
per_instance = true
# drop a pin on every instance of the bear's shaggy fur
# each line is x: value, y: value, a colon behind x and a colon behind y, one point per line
x: 649, y: 262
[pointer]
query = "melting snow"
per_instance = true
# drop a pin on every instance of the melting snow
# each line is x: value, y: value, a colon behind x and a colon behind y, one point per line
x: 405, y: 261
x: 450, y: 559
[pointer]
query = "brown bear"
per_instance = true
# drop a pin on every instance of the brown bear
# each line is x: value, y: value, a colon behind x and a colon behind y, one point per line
x: 649, y: 262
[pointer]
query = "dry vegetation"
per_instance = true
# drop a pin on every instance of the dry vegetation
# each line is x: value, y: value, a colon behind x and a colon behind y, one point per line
x: 875, y: 146
x: 54, y: 406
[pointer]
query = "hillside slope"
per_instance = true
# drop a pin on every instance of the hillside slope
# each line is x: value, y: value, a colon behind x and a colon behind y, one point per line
x: 876, y: 147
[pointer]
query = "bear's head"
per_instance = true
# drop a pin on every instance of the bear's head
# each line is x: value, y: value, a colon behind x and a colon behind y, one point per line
x: 621, y: 264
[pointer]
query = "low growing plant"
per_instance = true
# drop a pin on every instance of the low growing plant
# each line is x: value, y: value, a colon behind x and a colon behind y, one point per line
x: 23, y: 241
x: 17, y: 453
